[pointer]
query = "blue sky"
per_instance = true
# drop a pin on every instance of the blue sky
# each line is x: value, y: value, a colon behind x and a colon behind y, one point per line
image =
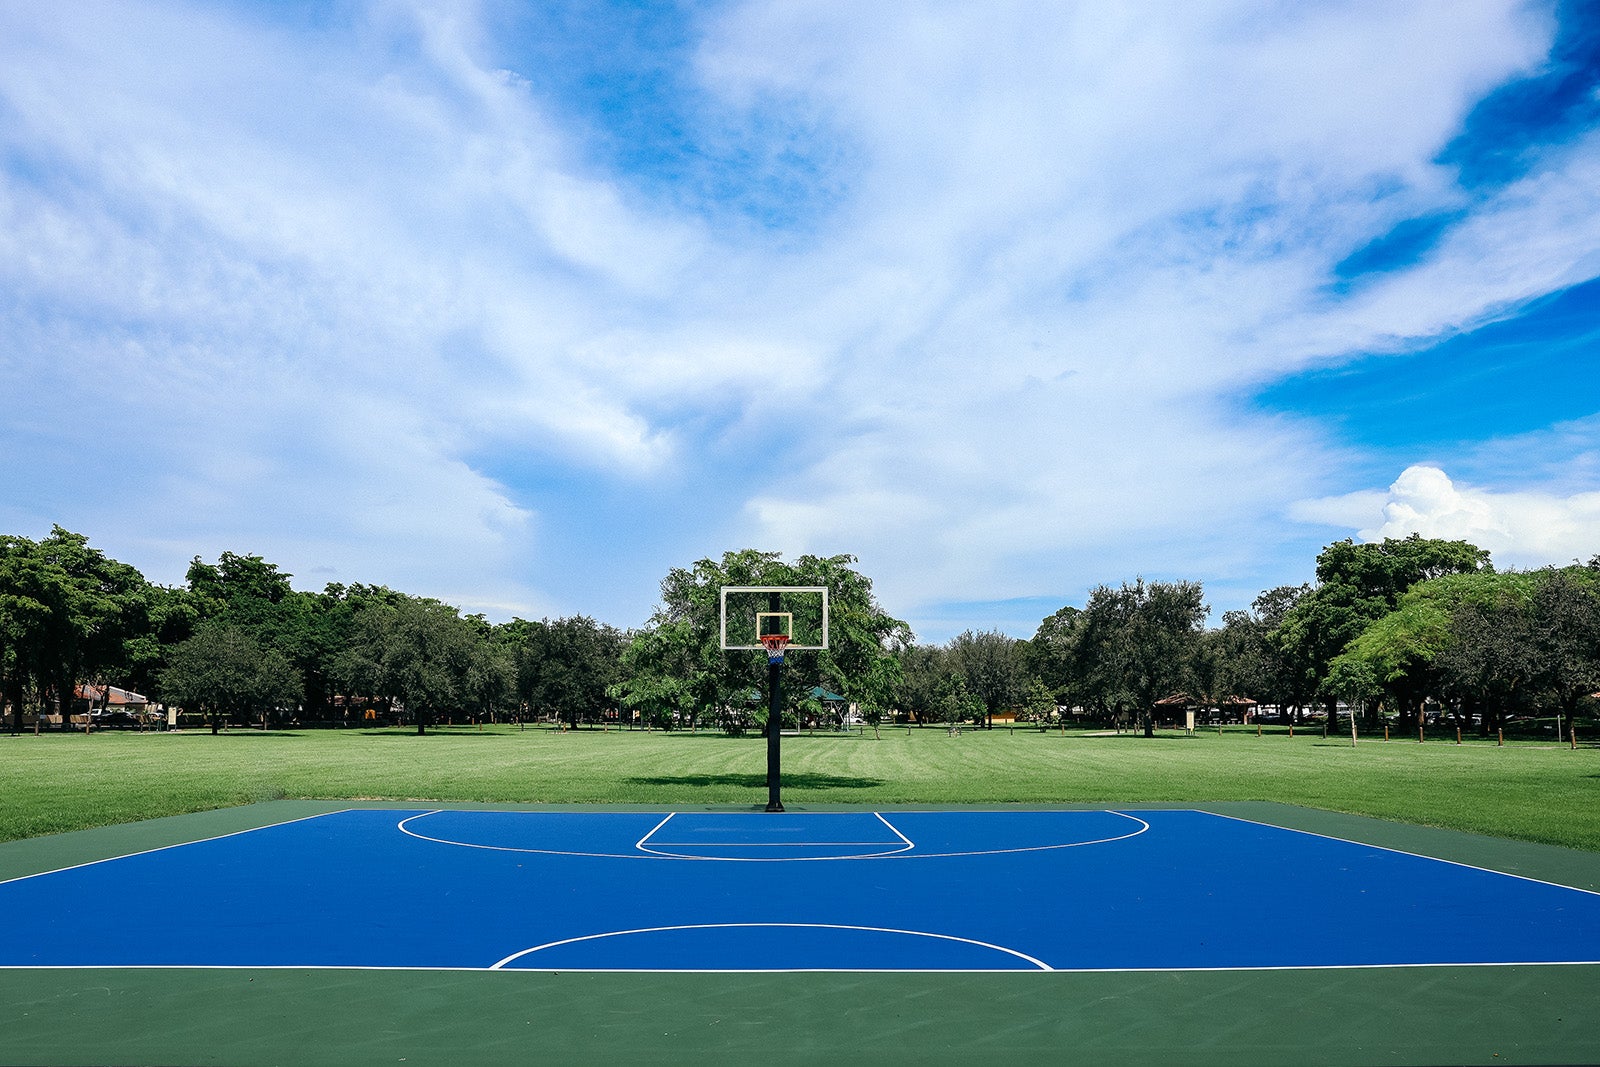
x: 521, y: 304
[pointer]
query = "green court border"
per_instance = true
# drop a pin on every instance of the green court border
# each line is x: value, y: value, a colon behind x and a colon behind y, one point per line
x: 1422, y: 1015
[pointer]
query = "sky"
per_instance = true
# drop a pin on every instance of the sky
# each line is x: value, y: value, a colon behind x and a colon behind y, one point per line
x: 521, y: 304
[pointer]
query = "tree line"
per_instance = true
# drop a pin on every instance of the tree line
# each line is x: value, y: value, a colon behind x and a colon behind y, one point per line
x: 1388, y: 628
x: 1388, y: 631
x: 237, y: 643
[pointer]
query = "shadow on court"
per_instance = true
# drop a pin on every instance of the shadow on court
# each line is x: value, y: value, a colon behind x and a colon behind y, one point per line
x: 791, y: 780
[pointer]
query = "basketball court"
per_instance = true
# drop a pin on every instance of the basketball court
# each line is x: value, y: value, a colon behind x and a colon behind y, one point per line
x: 845, y: 891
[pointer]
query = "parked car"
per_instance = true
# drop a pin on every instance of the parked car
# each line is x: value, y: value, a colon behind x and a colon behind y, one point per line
x: 119, y: 720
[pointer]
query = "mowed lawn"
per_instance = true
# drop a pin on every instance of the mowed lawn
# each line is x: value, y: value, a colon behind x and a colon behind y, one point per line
x: 56, y: 783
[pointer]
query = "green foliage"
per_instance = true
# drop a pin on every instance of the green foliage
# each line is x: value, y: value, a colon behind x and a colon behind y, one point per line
x: 1566, y: 622
x: 416, y: 651
x: 958, y: 705
x: 1499, y: 643
x: 226, y: 674
x: 1257, y: 663
x: 1051, y: 655
x: 67, y: 613
x: 1420, y: 619
x: 1039, y: 705
x: 1136, y: 644
x: 993, y: 667
x: 1353, y: 680
x: 567, y: 667
x: 661, y: 678
x: 922, y: 670
x: 1357, y: 585
x: 677, y: 661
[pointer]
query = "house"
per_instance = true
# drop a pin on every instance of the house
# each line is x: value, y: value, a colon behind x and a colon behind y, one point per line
x: 108, y: 700
x: 109, y: 697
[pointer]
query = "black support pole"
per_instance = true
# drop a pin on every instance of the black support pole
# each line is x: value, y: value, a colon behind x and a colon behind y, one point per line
x: 774, y: 720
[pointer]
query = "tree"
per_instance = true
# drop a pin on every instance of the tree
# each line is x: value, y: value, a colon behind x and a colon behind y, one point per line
x: 678, y: 655
x: 1353, y: 681
x: 24, y: 617
x: 1565, y: 611
x: 223, y: 672
x: 1357, y: 585
x: 993, y: 667
x: 568, y: 667
x: 1491, y: 659
x: 1135, y: 644
x: 170, y: 619
x: 1261, y: 666
x: 491, y: 681
x: 67, y: 613
x: 922, y: 670
x: 661, y: 678
x: 1399, y: 652
x: 341, y: 668
x: 415, y: 650
x: 1039, y: 704
x: 1489, y: 643
x: 1432, y: 643
x: 957, y: 704
x: 248, y: 592
x: 1050, y: 653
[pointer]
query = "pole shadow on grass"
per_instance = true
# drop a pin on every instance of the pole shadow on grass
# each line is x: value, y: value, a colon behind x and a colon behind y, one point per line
x: 409, y: 733
x: 802, y: 780
x: 237, y: 731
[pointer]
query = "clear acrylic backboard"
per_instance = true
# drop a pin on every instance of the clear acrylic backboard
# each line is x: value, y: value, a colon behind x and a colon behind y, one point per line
x: 750, y: 612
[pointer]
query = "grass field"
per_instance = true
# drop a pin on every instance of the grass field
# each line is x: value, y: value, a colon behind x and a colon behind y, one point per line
x: 1533, y: 792
x: 1517, y: 1014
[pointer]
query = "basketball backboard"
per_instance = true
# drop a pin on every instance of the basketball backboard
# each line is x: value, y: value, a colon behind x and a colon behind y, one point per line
x: 750, y: 612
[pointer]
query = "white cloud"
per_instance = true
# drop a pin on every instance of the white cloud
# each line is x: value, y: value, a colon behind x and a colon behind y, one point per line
x: 1069, y: 236
x: 996, y: 360
x: 1520, y: 528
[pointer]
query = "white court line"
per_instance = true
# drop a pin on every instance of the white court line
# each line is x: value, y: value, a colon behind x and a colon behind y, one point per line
x: 1399, y: 852
x: 639, y: 844
x: 773, y: 844
x: 1040, y: 964
x: 785, y: 970
x: 177, y: 844
x: 769, y: 844
x: 403, y: 828
x: 901, y: 853
x: 895, y: 830
x: 1143, y: 826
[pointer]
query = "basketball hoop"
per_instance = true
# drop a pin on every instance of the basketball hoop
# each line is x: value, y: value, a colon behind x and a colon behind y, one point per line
x: 774, y: 644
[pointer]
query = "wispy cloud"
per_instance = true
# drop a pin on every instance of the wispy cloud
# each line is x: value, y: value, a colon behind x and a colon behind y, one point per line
x: 969, y: 291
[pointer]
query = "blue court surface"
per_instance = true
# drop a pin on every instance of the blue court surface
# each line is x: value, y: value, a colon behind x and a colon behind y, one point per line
x: 799, y: 891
